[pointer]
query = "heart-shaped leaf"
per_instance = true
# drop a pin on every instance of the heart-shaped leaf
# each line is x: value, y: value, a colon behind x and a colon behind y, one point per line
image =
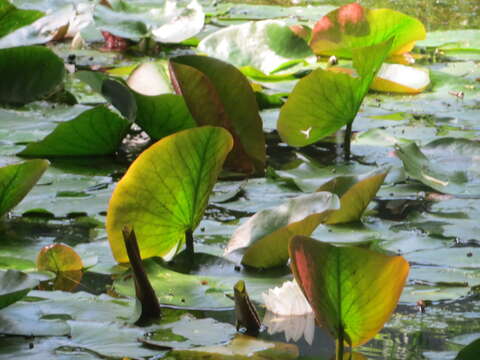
x: 352, y: 26
x: 97, y: 131
x: 352, y: 291
x: 219, y: 94
x: 448, y: 165
x: 28, y: 73
x: 165, y: 191
x: 271, y: 44
x: 58, y: 258
x: 324, y: 101
x: 14, y: 285
x: 17, y: 180
x: 266, y: 234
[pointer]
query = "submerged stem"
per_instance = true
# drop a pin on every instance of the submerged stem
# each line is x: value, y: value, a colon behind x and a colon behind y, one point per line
x: 346, y: 141
x: 340, y: 345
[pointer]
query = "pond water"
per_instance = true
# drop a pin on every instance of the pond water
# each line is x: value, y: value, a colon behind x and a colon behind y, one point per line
x: 437, y: 233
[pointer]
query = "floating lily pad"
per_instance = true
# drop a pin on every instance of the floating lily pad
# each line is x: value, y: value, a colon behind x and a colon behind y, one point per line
x: 448, y: 165
x: 271, y: 44
x: 58, y: 258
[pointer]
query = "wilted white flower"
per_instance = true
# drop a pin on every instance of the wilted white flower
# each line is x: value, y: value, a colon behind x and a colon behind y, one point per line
x: 287, y: 300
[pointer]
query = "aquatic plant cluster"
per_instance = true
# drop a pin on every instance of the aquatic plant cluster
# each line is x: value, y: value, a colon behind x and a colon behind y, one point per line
x: 203, y: 156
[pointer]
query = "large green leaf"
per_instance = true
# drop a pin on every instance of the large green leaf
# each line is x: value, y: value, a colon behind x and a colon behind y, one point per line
x: 17, y: 180
x: 162, y: 115
x: 470, y: 352
x: 12, y: 18
x: 448, y: 165
x: 353, y: 291
x: 14, y: 285
x: 352, y: 26
x: 218, y: 94
x: 97, y: 131
x: 266, y: 234
x: 165, y: 191
x: 270, y: 44
x: 324, y: 101
x: 28, y: 73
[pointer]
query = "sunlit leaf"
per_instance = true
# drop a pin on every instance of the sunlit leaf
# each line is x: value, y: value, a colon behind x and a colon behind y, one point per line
x: 354, y: 197
x: 97, y: 131
x: 352, y: 26
x: 58, y: 258
x: 165, y: 191
x: 28, y: 73
x: 270, y: 44
x: 151, y: 79
x: 448, y: 165
x: 352, y: 291
x: 17, y: 180
x: 12, y: 18
x: 324, y: 101
x: 218, y: 94
x: 13, y: 286
x: 266, y: 234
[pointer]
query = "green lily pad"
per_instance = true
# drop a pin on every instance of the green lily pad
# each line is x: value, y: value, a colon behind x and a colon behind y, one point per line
x: 218, y: 94
x: 17, y: 180
x: 12, y: 18
x: 186, y: 164
x: 454, y: 42
x: 448, y: 165
x: 352, y: 291
x: 266, y: 234
x: 465, y: 257
x: 271, y: 44
x: 315, y: 110
x: 28, y: 73
x: 469, y: 352
x: 97, y: 131
x: 352, y: 26
x: 14, y: 285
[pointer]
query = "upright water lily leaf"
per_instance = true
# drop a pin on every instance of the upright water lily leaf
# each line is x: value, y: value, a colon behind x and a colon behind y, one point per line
x: 324, y: 101
x: 165, y: 191
x: 270, y: 44
x: 352, y: 291
x: 14, y: 285
x: 352, y: 26
x: 218, y: 94
x: 355, y: 194
x: 120, y: 96
x: 162, y: 115
x: 448, y: 165
x: 97, y: 131
x: 12, y: 18
x: 266, y: 234
x: 469, y: 352
x: 17, y: 180
x: 28, y: 73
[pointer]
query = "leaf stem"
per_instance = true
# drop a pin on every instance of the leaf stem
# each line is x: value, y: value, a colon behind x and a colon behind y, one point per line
x: 340, y: 345
x: 346, y: 142
x: 189, y: 243
x: 143, y: 288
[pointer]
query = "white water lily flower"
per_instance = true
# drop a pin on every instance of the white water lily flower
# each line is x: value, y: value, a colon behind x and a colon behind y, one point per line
x: 294, y: 326
x: 287, y: 300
